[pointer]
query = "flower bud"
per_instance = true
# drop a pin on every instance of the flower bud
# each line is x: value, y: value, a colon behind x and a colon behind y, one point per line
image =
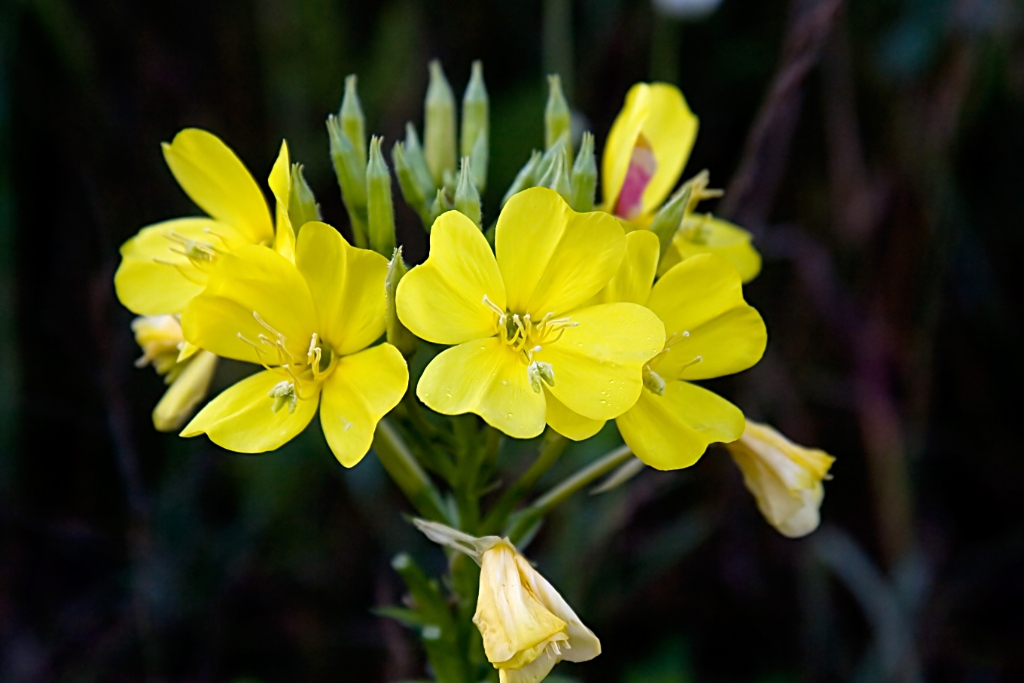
x: 527, y: 177
x: 398, y: 336
x: 411, y: 190
x: 185, y: 393
x: 557, y: 117
x: 467, y: 199
x: 550, y: 154
x: 784, y: 478
x: 353, y: 122
x: 670, y: 216
x: 584, y: 176
x: 475, y: 138
x: 414, y: 153
x: 302, y: 206
x: 351, y: 176
x: 380, y: 210
x: 557, y: 177
x: 440, y: 205
x: 439, y: 124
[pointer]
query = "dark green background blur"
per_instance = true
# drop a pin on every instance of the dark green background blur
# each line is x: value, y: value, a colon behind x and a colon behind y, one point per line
x: 874, y: 147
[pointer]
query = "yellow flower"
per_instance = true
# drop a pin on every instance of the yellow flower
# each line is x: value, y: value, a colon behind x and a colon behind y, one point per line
x: 309, y: 324
x: 168, y: 263
x: 523, y: 339
x: 527, y: 627
x: 785, y: 478
x: 185, y: 368
x: 648, y: 146
x: 711, y: 331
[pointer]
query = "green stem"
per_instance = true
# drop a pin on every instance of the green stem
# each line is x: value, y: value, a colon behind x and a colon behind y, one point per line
x: 554, y: 445
x: 406, y: 472
x: 468, y: 455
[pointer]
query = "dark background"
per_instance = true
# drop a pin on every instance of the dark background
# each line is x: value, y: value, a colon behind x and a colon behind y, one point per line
x: 874, y: 147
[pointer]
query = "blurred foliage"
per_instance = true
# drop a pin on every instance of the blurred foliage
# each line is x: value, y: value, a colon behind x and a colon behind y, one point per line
x: 891, y: 235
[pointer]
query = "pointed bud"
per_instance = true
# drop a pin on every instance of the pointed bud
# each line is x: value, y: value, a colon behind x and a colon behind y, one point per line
x: 414, y: 153
x: 398, y: 336
x: 302, y: 206
x: 380, y: 210
x: 557, y: 118
x: 526, y: 178
x: 439, y: 126
x: 670, y: 216
x: 584, y: 176
x: 353, y: 122
x: 440, y: 205
x: 411, y: 190
x: 557, y: 177
x: 550, y: 154
x: 186, y: 391
x: 467, y: 199
x: 475, y: 139
x: 351, y: 179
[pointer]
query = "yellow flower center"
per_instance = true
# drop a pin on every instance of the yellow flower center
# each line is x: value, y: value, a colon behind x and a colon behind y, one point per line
x: 654, y: 382
x: 198, y: 252
x: 526, y: 336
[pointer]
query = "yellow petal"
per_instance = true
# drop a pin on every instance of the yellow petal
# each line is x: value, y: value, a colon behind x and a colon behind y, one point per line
x: 255, y: 284
x: 659, y: 113
x: 635, y: 276
x: 672, y: 431
x: 217, y: 181
x: 347, y: 285
x: 534, y: 672
x: 442, y: 299
x: 363, y: 388
x: 281, y: 185
x: 705, y: 234
x: 710, y: 328
x: 553, y: 259
x: 155, y: 277
x: 597, y: 364
x: 485, y: 377
x: 567, y: 423
x: 185, y: 393
x: 242, y: 418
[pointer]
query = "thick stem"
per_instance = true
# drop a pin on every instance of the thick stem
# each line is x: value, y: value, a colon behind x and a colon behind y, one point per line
x: 554, y: 445
x: 406, y: 472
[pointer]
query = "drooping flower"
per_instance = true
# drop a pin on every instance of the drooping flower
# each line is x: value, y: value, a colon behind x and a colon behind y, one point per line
x: 527, y: 627
x: 785, y: 478
x: 523, y: 342
x: 647, y: 148
x: 310, y: 325
x: 187, y: 369
x: 710, y: 332
x: 168, y: 263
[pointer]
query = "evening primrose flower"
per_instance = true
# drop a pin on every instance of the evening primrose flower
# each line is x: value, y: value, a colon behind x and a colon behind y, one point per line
x: 187, y: 369
x: 310, y: 325
x: 523, y: 342
x: 168, y: 263
x: 648, y: 146
x: 710, y: 332
x: 527, y: 627
x: 786, y: 479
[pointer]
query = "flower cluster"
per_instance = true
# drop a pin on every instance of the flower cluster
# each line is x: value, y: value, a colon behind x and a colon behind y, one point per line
x: 563, y: 315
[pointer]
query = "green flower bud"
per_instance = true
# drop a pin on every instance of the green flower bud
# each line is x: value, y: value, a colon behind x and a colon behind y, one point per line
x: 670, y: 215
x: 584, y: 176
x: 557, y: 118
x: 380, y: 210
x: 351, y: 179
x: 550, y: 154
x: 440, y: 205
x: 467, y: 199
x: 398, y: 336
x: 302, y: 206
x: 526, y: 178
x: 439, y: 126
x: 353, y: 122
x: 411, y: 190
x: 557, y: 178
x: 414, y: 153
x: 475, y: 138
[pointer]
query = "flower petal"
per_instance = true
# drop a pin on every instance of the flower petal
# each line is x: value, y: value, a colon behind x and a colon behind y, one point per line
x: 217, y: 181
x: 635, y: 276
x: 254, y: 281
x: 567, y: 423
x: 553, y: 259
x: 242, y: 418
x: 705, y: 234
x: 442, y: 299
x: 281, y: 185
x: 534, y: 672
x: 347, y: 285
x: 710, y: 328
x: 583, y: 644
x: 597, y: 364
x: 360, y: 391
x: 659, y: 113
x: 487, y: 378
x: 672, y: 431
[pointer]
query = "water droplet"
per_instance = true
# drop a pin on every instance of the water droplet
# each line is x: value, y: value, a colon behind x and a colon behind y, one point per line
x: 508, y: 414
x: 447, y: 394
x: 504, y: 382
